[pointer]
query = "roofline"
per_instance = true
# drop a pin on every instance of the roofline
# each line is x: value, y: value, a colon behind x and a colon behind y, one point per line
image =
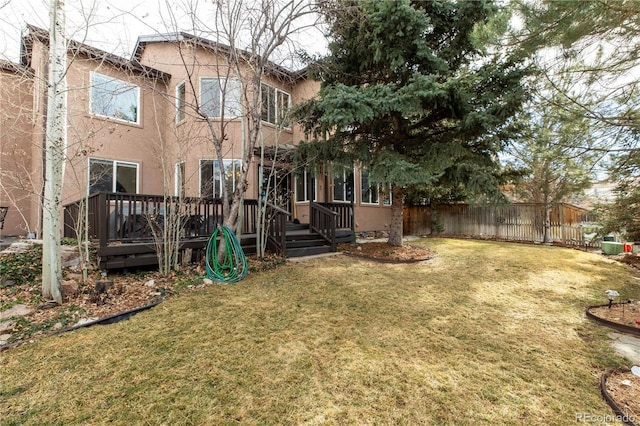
x: 274, y: 69
x: 16, y: 68
x: 75, y: 47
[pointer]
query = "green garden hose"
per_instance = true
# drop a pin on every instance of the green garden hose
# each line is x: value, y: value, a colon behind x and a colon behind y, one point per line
x: 233, y: 266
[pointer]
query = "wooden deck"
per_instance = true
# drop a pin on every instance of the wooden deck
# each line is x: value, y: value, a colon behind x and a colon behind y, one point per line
x: 125, y: 227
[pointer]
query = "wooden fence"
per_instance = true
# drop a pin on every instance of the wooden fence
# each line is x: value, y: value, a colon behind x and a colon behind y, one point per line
x: 513, y: 222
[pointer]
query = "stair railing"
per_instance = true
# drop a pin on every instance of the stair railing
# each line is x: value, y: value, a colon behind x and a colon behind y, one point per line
x: 323, y: 221
x: 276, y: 229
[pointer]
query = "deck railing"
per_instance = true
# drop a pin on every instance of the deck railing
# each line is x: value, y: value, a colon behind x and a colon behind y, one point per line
x: 323, y: 221
x: 277, y: 228
x: 126, y: 217
x: 344, y: 214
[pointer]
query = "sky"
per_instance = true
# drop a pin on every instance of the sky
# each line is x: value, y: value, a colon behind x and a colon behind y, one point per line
x: 114, y: 25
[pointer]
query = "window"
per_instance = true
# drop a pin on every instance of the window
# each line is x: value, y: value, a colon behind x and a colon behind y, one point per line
x: 343, y: 185
x: 216, y: 93
x: 211, y: 178
x: 369, y: 192
x: 305, y: 182
x: 386, y: 194
x: 275, y: 106
x: 112, y: 176
x: 181, y: 92
x: 179, y: 179
x: 114, y: 98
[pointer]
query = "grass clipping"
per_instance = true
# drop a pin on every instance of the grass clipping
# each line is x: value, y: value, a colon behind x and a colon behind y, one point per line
x: 483, y: 333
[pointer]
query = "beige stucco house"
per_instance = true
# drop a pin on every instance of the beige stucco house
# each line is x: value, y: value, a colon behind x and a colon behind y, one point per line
x: 144, y: 125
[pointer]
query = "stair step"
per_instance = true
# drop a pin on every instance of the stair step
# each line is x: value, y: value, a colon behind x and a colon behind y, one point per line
x: 296, y: 226
x: 307, y: 251
x: 307, y: 243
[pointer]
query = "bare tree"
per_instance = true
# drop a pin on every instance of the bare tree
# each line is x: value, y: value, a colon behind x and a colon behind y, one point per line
x: 56, y: 139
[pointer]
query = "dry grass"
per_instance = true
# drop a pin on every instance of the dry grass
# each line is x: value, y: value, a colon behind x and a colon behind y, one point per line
x: 484, y: 333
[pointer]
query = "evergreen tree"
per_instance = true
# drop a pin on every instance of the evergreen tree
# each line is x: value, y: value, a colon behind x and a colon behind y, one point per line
x: 553, y: 150
x: 410, y: 92
x: 595, y: 45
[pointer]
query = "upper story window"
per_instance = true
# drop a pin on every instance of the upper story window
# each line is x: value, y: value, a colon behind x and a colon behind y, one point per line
x: 218, y: 95
x: 112, y: 176
x: 275, y: 106
x: 114, y: 98
x: 181, y: 92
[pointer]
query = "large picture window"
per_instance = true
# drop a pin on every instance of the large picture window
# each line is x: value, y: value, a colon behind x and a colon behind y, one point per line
x: 343, y: 185
x: 114, y: 98
x: 218, y: 94
x: 211, y: 176
x: 275, y: 106
x: 112, y: 176
x: 305, y: 186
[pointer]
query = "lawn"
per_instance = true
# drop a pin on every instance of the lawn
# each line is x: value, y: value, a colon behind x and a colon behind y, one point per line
x: 484, y: 333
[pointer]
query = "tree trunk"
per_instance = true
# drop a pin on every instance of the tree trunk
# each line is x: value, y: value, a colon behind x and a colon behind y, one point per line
x: 55, y: 146
x: 547, y: 221
x: 395, y: 232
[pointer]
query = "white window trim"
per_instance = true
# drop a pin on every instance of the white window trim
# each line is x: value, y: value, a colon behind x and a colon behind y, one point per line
x: 305, y: 175
x: 114, y: 166
x: 182, y: 85
x: 277, y: 113
x: 119, y: 120
x: 362, y: 190
x: 333, y: 188
x: 220, y: 97
x: 390, y: 192
x: 222, y: 168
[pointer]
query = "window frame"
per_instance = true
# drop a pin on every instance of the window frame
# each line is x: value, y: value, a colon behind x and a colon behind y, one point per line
x: 236, y: 170
x: 305, y: 174
x: 181, y: 111
x: 95, y: 86
x: 223, y: 85
x: 370, y: 190
x: 273, y: 106
x: 344, y: 172
x: 114, y: 172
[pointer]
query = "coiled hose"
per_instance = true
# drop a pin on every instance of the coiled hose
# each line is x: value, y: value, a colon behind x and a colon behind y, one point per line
x: 233, y: 266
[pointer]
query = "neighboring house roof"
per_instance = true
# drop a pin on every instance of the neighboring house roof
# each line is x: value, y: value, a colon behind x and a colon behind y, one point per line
x: 15, y: 68
x: 35, y: 33
x: 272, y: 68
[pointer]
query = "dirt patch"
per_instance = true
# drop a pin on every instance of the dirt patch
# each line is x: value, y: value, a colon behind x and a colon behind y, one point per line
x: 384, y: 252
x: 621, y: 313
x: 624, y: 389
x: 630, y: 259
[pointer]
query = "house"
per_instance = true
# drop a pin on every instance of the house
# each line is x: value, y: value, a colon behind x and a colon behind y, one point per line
x: 144, y: 125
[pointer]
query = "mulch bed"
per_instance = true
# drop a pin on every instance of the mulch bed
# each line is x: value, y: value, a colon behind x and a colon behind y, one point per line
x: 385, y: 253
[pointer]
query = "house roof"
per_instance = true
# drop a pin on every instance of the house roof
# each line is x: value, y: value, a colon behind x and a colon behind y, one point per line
x: 272, y: 68
x: 35, y: 33
x: 15, y: 68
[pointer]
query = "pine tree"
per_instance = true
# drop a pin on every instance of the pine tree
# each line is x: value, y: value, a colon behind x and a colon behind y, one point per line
x: 410, y: 92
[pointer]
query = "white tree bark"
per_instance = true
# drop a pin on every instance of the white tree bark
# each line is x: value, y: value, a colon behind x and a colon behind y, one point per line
x: 55, y: 146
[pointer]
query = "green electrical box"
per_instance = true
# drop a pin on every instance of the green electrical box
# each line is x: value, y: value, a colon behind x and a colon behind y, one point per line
x: 610, y: 247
